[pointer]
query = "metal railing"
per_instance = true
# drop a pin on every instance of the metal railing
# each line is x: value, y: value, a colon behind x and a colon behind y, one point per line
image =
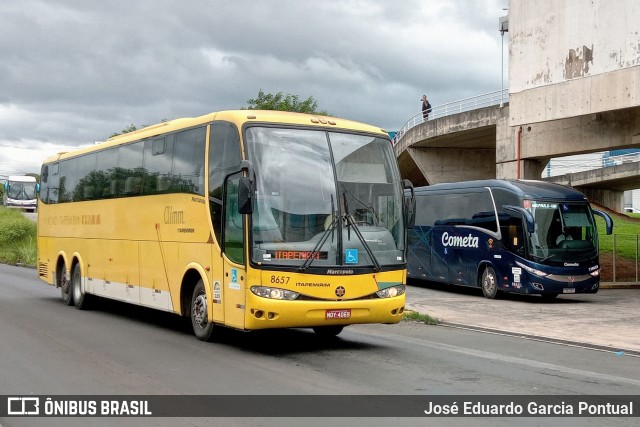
x: 499, y: 97
x: 562, y: 166
x: 619, y: 262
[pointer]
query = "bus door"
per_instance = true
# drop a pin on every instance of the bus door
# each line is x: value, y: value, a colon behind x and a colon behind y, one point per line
x: 234, y: 276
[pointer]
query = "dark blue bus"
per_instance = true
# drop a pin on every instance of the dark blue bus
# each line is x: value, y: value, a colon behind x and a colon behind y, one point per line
x: 528, y: 237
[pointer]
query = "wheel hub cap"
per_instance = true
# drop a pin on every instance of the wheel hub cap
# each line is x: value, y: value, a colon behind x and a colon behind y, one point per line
x: 199, y: 311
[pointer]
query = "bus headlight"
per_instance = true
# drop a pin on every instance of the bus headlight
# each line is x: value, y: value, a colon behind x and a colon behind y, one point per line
x: 595, y: 273
x: 391, y: 292
x: 532, y: 270
x: 274, y: 293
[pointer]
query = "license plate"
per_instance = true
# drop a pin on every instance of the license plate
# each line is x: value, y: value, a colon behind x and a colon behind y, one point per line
x: 337, y: 314
x: 569, y: 291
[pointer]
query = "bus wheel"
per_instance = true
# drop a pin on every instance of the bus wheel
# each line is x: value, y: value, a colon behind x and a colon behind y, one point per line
x: 79, y: 297
x: 489, y: 283
x: 65, y: 286
x: 328, y: 331
x: 202, y: 327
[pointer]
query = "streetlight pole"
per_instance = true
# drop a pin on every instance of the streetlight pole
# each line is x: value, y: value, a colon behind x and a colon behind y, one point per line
x: 503, y: 27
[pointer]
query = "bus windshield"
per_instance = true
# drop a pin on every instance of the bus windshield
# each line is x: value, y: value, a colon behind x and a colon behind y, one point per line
x: 564, y: 232
x: 333, y: 197
x: 22, y: 190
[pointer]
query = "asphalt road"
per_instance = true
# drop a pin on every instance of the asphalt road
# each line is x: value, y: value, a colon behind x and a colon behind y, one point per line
x: 608, y: 320
x: 48, y: 348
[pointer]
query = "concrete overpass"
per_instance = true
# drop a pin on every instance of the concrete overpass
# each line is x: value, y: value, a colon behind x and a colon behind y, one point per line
x: 606, y: 183
x: 456, y: 143
x: 573, y: 89
x: 480, y: 144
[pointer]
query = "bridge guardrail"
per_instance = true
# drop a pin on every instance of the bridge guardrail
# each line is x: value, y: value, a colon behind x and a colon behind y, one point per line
x: 455, y: 107
x: 563, y: 166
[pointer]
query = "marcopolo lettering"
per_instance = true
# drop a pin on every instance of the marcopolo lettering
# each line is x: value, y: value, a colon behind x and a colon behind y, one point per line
x: 459, y: 241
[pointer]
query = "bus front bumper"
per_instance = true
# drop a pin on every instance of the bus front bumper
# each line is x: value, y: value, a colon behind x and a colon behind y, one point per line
x: 540, y: 285
x: 263, y: 313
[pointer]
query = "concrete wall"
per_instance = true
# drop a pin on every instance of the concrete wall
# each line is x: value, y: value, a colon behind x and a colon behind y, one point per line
x: 611, y: 199
x: 572, y: 58
x: 454, y: 164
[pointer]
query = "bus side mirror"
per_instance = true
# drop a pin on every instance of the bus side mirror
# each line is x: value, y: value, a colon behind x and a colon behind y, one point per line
x: 607, y: 220
x: 528, y: 218
x: 37, y: 187
x: 6, y: 186
x: 409, y: 202
x: 245, y: 196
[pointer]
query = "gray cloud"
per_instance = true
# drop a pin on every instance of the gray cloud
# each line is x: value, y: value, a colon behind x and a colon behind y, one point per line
x: 73, y: 72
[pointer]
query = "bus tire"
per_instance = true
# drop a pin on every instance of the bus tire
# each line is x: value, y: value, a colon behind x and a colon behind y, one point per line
x: 328, y: 331
x: 80, y: 299
x: 65, y: 286
x: 489, y: 282
x: 202, y: 326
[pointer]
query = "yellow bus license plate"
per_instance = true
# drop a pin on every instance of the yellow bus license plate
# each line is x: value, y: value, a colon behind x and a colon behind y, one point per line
x: 338, y: 314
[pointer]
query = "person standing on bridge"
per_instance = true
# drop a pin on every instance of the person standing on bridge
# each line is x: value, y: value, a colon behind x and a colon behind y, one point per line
x: 426, y: 108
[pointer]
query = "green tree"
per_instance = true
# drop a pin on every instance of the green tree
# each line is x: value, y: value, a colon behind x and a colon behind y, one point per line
x: 282, y: 102
x: 128, y: 129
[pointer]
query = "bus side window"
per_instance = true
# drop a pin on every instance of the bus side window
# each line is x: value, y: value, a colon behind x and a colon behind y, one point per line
x: 224, y: 158
x: 515, y: 236
x: 514, y: 239
x: 188, y: 160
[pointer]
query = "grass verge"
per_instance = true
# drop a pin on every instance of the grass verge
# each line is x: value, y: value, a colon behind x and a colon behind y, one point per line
x: 18, y: 238
x: 419, y: 317
x: 626, y: 228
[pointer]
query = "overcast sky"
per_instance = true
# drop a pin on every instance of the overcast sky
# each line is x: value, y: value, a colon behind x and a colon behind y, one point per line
x: 73, y: 72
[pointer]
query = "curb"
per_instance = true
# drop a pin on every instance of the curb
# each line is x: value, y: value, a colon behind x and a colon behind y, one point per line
x: 617, y: 351
x: 620, y: 285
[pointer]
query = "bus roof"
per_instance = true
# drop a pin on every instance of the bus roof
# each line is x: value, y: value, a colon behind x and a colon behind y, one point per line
x: 21, y: 178
x: 235, y: 116
x: 526, y: 189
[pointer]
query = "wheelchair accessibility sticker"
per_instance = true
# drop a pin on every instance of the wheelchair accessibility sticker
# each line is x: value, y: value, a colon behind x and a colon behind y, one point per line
x: 351, y: 256
x: 233, y: 284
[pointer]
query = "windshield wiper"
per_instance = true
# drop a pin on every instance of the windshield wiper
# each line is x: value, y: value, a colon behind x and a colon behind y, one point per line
x: 323, y: 238
x: 351, y: 222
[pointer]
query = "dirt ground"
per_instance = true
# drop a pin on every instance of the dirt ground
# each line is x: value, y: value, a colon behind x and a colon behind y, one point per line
x: 625, y: 268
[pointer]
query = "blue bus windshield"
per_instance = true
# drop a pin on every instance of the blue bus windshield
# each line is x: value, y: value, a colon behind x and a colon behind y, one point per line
x: 564, y: 232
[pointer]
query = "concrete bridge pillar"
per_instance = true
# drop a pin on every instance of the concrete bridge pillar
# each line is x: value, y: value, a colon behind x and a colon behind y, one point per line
x: 454, y: 164
x: 511, y: 163
x: 611, y: 199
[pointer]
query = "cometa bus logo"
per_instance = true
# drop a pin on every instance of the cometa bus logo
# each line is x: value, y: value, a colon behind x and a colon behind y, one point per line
x: 340, y: 291
x: 459, y: 241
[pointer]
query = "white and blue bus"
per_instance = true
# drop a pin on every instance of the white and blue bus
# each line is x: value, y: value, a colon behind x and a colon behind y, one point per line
x: 528, y: 237
x: 20, y: 192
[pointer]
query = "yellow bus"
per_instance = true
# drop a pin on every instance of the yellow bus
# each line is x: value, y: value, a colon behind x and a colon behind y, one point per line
x: 247, y: 219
